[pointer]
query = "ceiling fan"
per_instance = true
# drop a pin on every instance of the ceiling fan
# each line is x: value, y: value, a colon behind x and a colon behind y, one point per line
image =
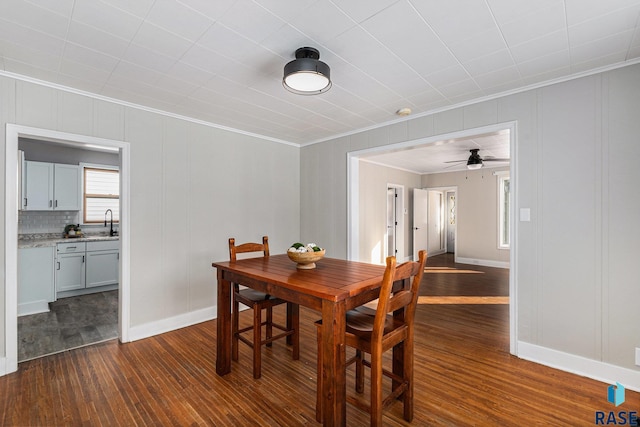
x: 475, y: 161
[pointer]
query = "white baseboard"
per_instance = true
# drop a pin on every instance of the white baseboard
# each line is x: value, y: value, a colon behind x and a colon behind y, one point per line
x: 172, y: 323
x: 483, y: 262
x: 600, y: 371
x: 35, y: 307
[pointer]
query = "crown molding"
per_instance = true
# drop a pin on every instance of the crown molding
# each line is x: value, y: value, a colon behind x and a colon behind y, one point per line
x: 141, y: 107
x: 481, y: 99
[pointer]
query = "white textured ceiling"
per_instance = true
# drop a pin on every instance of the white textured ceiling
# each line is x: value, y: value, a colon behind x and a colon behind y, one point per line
x: 447, y: 155
x: 221, y: 61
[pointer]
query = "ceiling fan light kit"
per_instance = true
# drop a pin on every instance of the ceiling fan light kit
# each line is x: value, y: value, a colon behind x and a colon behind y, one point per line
x: 307, y: 75
x: 475, y: 161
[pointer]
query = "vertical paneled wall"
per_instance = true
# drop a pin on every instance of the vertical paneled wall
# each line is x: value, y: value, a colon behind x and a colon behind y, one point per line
x: 192, y: 187
x: 576, y: 155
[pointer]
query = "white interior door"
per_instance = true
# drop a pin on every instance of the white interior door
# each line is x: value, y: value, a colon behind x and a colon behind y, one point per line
x: 420, y: 203
x: 450, y: 221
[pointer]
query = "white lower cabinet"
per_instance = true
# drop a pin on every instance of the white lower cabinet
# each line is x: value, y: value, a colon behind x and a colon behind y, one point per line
x: 81, y: 267
x: 102, y: 264
x: 36, y: 287
x: 70, y: 266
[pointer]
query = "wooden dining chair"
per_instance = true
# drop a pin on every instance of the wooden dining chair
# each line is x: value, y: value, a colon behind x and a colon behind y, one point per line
x: 259, y: 301
x: 374, y: 331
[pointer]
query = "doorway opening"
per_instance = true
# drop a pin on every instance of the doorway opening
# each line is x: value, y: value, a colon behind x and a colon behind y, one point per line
x: 435, y: 220
x: 353, y: 200
x: 13, y: 134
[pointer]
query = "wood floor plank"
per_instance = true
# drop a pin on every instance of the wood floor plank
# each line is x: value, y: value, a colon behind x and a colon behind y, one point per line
x: 463, y: 371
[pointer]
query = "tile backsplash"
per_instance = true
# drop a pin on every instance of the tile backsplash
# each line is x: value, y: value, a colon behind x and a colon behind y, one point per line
x: 44, y: 222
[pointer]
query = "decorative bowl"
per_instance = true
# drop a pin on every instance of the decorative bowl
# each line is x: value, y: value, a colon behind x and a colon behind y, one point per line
x: 306, y: 260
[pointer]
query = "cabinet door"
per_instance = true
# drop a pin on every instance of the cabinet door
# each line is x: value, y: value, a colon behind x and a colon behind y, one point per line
x: 38, y: 186
x: 70, y: 270
x: 66, y: 188
x: 36, y: 285
x: 102, y: 268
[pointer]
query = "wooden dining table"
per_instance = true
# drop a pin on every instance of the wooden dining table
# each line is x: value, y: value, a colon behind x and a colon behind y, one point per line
x: 332, y: 288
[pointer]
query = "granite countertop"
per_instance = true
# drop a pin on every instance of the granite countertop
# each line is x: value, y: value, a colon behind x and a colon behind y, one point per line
x: 44, y: 240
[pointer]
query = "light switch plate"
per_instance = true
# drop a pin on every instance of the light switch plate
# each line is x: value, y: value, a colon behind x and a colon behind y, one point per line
x: 525, y: 214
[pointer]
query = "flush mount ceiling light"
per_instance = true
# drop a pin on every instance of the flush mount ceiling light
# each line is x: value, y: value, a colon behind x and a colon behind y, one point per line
x: 307, y: 75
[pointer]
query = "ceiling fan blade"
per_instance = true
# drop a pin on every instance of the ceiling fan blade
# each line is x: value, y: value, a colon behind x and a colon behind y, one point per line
x: 456, y: 161
x: 451, y: 166
x: 496, y: 160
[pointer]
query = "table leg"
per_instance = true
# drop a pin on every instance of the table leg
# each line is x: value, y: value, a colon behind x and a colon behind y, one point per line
x: 333, y: 360
x: 223, y: 336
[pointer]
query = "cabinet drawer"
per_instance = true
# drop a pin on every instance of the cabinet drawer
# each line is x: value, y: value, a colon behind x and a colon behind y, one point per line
x: 103, y: 245
x: 69, y: 248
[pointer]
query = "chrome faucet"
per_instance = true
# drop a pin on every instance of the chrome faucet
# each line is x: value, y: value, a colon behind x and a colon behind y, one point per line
x: 111, y: 232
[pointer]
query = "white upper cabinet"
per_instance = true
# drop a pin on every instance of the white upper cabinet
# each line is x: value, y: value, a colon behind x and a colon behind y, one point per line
x: 50, y: 186
x: 38, y: 186
x: 66, y: 187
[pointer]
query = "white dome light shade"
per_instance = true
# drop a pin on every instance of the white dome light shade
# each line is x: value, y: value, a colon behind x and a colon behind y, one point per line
x: 306, y: 81
x: 306, y: 75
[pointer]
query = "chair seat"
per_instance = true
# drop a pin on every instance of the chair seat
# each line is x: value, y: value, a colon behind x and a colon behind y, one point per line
x: 253, y: 295
x: 360, y: 322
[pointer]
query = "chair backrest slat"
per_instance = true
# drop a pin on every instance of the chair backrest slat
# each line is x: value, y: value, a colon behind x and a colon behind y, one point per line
x: 399, y: 300
x: 248, y: 248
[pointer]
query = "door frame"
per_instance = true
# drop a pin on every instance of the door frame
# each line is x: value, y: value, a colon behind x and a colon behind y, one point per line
x: 13, y: 132
x: 353, y: 209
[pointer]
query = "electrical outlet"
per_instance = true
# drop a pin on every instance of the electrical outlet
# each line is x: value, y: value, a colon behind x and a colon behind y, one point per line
x: 638, y: 356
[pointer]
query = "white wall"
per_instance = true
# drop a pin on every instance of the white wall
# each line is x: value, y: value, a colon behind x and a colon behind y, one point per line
x: 577, y: 155
x: 373, y: 209
x: 192, y: 187
x: 476, y: 213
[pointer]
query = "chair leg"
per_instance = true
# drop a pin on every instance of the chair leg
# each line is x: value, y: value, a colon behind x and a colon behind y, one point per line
x: 269, y: 328
x: 408, y: 377
x: 257, y: 340
x: 319, y: 417
x: 293, y: 323
x: 234, y: 329
x: 359, y: 372
x: 376, y: 389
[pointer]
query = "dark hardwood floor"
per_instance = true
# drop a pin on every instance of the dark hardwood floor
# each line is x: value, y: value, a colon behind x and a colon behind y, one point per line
x: 464, y: 375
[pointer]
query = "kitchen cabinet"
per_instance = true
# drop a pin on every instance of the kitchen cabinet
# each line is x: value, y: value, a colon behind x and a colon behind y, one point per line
x: 70, y: 266
x: 66, y: 187
x: 50, y: 186
x: 103, y: 259
x: 82, y: 266
x: 36, y: 286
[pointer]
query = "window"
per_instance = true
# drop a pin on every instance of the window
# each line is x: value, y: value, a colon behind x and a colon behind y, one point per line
x: 101, y: 191
x: 503, y: 209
